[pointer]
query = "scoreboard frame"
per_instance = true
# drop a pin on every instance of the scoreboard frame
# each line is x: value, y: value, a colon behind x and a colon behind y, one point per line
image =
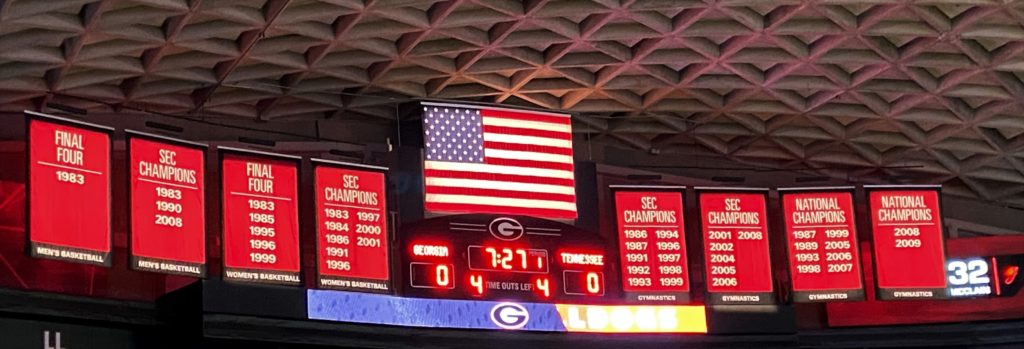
x: 204, y: 148
x: 31, y: 117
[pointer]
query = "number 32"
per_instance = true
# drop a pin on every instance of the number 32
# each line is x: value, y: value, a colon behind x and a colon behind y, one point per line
x: 968, y: 272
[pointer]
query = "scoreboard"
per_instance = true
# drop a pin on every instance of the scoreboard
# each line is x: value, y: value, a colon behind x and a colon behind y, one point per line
x: 503, y: 257
x: 652, y: 243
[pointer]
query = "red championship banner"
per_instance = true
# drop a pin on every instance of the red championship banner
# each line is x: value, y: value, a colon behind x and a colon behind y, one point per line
x: 352, y: 227
x: 909, y: 244
x: 821, y: 244
x: 652, y: 243
x: 69, y: 190
x: 738, y: 265
x: 260, y: 196
x: 168, y: 204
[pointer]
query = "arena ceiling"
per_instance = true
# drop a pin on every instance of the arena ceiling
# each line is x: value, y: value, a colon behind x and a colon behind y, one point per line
x: 910, y: 91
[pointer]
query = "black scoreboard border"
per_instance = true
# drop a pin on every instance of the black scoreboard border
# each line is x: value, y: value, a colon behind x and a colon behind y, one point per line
x: 132, y: 258
x: 886, y: 294
x: 297, y: 160
x: 853, y: 295
x: 30, y: 117
x: 389, y: 233
x: 715, y: 298
x: 682, y: 298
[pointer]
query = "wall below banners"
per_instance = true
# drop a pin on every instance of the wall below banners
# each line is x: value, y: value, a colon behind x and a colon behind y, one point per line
x: 873, y: 312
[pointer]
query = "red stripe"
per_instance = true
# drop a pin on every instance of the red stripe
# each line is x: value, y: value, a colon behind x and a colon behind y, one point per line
x: 497, y: 177
x: 528, y: 132
x: 469, y: 208
x: 527, y: 147
x: 513, y: 194
x: 530, y: 163
x: 526, y: 116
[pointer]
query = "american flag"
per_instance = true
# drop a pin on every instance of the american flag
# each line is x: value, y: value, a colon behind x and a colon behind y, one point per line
x: 494, y: 160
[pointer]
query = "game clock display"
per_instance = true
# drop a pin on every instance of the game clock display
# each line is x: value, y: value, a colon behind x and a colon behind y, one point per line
x: 502, y: 257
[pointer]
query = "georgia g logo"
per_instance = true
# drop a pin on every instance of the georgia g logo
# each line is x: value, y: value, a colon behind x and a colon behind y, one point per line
x: 510, y: 316
x: 506, y: 229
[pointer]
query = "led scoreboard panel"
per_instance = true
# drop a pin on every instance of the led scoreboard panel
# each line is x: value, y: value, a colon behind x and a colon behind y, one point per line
x: 259, y: 193
x: 168, y: 207
x: 69, y: 190
x: 821, y: 241
x: 736, y: 257
x: 910, y: 253
x: 652, y: 244
x: 502, y: 257
x: 352, y: 227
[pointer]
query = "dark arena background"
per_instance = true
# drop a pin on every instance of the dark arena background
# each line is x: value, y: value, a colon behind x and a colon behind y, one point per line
x: 511, y: 174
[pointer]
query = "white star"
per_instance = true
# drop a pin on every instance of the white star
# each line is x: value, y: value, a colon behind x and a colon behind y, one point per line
x: 435, y: 109
x: 460, y: 158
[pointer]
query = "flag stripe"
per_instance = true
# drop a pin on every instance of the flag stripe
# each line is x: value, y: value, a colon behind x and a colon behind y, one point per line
x: 523, y: 126
x: 531, y: 163
x: 501, y: 201
x: 498, y: 177
x: 526, y: 155
x: 527, y: 147
x: 544, y: 141
x: 527, y: 132
x: 510, y: 194
x: 499, y: 185
x: 473, y: 208
x: 514, y: 115
x: 497, y: 169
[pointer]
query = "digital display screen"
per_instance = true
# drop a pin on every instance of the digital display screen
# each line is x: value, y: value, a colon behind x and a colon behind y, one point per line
x: 652, y: 245
x: 352, y: 227
x: 260, y: 217
x: 821, y: 241
x: 502, y: 257
x: 379, y: 309
x: 69, y: 190
x: 910, y: 259
x: 168, y: 205
x: 738, y: 265
x: 482, y: 159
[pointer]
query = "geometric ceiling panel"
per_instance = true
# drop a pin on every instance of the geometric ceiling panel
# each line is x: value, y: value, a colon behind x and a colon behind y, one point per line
x: 927, y: 91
